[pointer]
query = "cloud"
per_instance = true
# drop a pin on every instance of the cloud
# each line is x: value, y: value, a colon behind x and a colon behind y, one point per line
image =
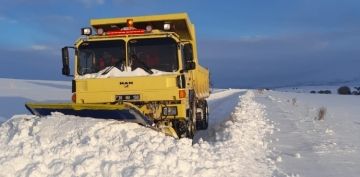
x: 59, y: 18
x: 90, y: 3
x: 272, y: 61
x: 39, y: 47
x: 7, y: 20
x: 280, y: 46
x: 49, y: 48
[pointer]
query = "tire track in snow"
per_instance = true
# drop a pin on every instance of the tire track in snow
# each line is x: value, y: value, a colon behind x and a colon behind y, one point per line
x: 221, y: 104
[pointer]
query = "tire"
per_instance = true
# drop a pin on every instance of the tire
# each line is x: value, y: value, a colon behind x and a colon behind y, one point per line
x: 191, y: 130
x: 191, y: 122
x: 180, y: 127
x: 187, y: 128
x: 203, y: 122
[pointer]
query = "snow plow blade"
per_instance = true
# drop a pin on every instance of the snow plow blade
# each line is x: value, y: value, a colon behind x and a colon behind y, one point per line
x: 125, y: 112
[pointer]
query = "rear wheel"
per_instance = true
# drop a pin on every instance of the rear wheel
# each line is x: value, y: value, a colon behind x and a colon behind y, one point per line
x: 202, y: 116
x: 206, y: 116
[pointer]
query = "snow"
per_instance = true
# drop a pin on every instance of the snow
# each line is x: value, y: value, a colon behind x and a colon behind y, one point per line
x: 60, y: 145
x: 251, y: 133
x: 109, y: 72
x: 311, y: 147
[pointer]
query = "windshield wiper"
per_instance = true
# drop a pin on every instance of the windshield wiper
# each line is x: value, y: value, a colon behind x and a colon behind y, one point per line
x: 111, y: 67
x: 142, y: 65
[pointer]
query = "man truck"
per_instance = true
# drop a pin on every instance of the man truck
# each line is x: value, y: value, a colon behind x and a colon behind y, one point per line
x: 142, y: 69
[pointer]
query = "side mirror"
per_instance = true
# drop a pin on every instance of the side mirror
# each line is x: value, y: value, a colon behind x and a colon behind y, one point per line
x: 190, y: 65
x: 65, y: 61
x: 188, y: 57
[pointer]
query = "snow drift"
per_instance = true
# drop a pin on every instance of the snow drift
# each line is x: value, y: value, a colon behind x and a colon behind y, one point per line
x: 60, y: 145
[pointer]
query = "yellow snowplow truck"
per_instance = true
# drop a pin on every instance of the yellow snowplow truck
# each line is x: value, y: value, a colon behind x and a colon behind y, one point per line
x: 141, y: 69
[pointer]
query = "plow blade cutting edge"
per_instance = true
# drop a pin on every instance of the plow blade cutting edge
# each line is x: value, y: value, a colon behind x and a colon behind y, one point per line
x: 124, y: 112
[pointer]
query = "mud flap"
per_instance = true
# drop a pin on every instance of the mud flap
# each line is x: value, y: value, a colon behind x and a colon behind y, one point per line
x: 125, y: 112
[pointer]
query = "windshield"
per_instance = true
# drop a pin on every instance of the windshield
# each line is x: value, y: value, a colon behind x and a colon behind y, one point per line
x: 158, y: 53
x: 97, y: 55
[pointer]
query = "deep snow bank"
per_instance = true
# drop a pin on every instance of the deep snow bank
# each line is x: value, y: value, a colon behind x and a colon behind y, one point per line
x: 61, y: 145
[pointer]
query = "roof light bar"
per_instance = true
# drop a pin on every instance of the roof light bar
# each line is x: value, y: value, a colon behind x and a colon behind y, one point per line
x: 167, y: 26
x: 100, y: 31
x: 130, y: 23
x: 86, y: 31
x: 148, y: 28
x: 125, y: 32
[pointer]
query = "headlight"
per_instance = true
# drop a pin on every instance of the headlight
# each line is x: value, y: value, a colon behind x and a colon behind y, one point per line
x: 169, y: 111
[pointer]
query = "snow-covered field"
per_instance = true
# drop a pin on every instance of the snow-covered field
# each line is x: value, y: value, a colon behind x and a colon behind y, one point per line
x: 251, y: 133
x: 307, y: 146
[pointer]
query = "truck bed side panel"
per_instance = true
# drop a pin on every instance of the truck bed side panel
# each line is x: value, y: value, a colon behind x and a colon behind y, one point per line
x: 201, y: 82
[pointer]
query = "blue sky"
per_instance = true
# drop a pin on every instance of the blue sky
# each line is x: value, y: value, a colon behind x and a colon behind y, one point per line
x: 245, y: 43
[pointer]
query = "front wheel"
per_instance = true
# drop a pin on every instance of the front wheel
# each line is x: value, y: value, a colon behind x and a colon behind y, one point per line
x: 183, y: 128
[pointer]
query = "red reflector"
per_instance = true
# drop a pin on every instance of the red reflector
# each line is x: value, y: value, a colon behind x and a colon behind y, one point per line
x: 73, y: 97
x: 122, y: 32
